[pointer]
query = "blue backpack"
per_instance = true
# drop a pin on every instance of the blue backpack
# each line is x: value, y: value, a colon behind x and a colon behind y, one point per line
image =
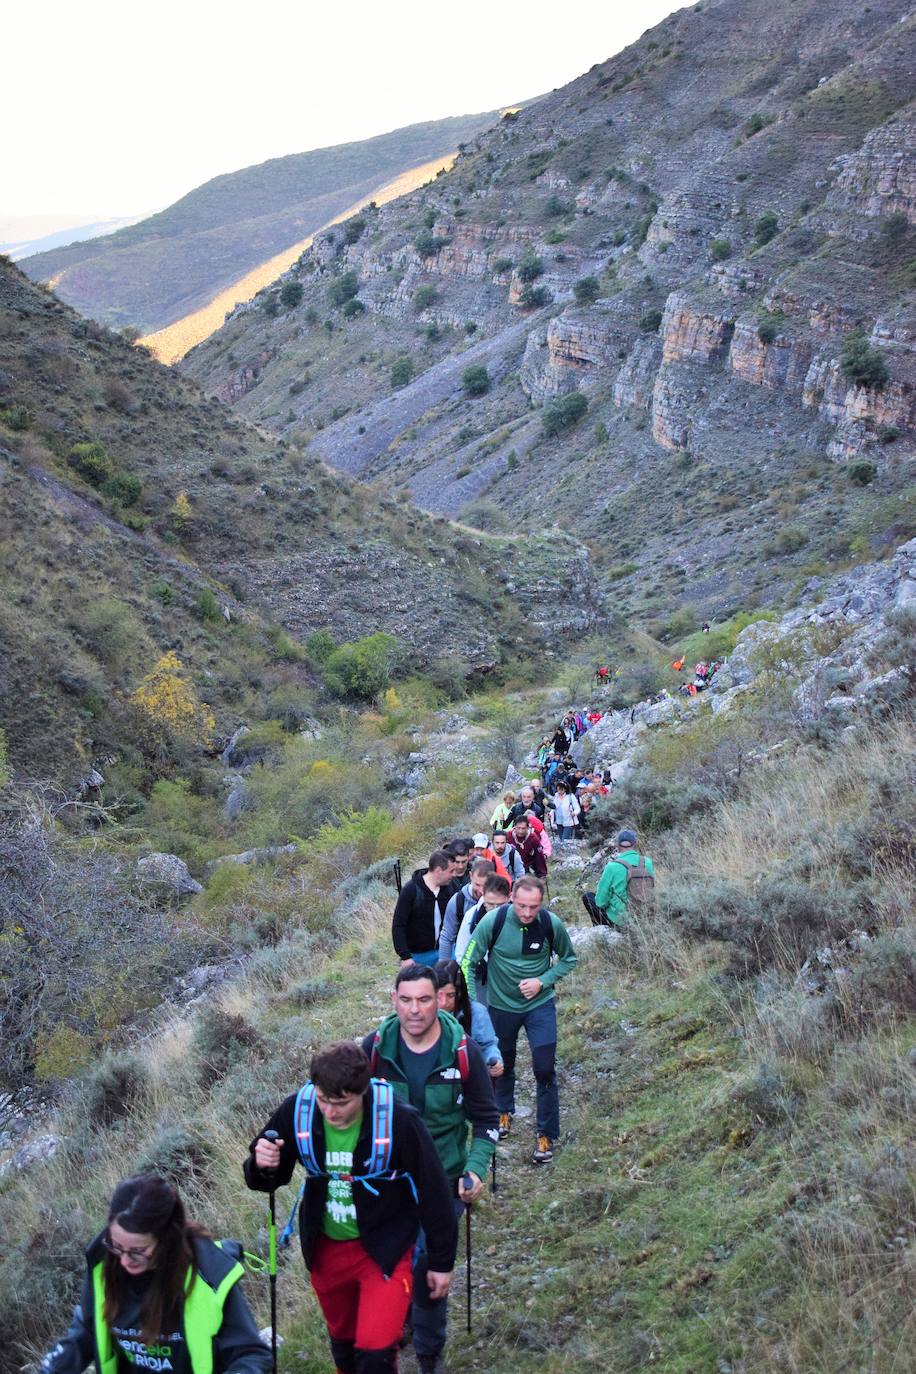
x: 378, y: 1165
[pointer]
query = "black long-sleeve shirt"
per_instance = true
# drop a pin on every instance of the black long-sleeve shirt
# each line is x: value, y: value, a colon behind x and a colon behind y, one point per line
x: 388, y: 1219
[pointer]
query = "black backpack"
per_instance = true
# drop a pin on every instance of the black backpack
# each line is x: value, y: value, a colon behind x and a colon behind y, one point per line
x: 543, y: 923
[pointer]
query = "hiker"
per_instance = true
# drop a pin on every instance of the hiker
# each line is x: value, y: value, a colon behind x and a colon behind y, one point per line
x: 501, y: 813
x: 602, y: 673
x: 706, y: 627
x: 566, y: 811
x: 159, y: 1294
x: 628, y: 877
x: 527, y: 803
x: 460, y: 851
x: 416, y: 919
x: 529, y: 848
x: 678, y: 664
x: 504, y: 853
x: 560, y: 741
x: 469, y: 896
x: 431, y: 1062
x: 496, y: 890
x: 520, y: 941
x: 471, y: 1015
x: 483, y: 850
x: 373, y: 1180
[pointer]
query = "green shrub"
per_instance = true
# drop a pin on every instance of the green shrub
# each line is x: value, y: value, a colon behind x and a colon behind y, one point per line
x: 114, y: 1090
x: 768, y: 326
x: 895, y: 226
x: 343, y: 288
x: 163, y: 591
x: 557, y: 208
x: 476, y: 380
x: 123, y: 488
x: 180, y: 1155
x: 320, y: 645
x: 353, y: 230
x: 650, y: 322
x: 586, y: 290
x: 428, y: 244
x: 756, y: 123
x: 111, y: 631
x: 206, y: 606
x: 424, y: 297
x: 533, y: 297
x: 861, y: 364
x: 291, y: 294
x: 401, y: 372
x: 354, y: 306
x: 15, y: 416
x: 530, y: 268
x: 720, y: 249
x: 766, y: 227
x: 221, y: 1039
x: 862, y: 472
x: 359, y: 671
x: 502, y: 265
x: 564, y: 412
x: 92, y: 462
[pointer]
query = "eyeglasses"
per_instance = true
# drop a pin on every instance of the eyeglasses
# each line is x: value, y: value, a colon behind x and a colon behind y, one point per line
x: 135, y: 1256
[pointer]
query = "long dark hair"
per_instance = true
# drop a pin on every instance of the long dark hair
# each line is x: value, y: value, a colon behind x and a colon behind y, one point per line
x: 148, y: 1205
x: 449, y: 971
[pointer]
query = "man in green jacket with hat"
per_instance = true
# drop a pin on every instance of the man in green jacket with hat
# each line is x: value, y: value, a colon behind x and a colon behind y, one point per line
x: 430, y: 1062
x: 616, y: 885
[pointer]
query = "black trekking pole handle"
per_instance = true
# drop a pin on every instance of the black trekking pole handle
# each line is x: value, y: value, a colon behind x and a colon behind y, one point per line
x: 272, y: 1263
x: 468, y: 1183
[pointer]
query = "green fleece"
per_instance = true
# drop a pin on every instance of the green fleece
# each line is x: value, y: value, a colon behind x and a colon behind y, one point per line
x: 508, y: 965
x: 450, y: 1106
x: 611, y: 893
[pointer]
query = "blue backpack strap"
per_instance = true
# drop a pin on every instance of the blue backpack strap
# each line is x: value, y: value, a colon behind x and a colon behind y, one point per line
x: 382, y: 1126
x: 303, y: 1121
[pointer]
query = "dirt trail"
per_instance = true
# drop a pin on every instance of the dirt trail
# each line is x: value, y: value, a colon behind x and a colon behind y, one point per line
x: 175, y: 340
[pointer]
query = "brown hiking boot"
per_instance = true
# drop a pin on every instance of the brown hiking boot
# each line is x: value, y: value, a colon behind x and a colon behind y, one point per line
x: 505, y: 1125
x: 543, y: 1153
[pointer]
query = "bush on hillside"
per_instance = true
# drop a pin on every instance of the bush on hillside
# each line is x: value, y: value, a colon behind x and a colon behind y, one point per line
x: 359, y: 671
x: 428, y: 244
x: 564, y: 412
x: 766, y: 227
x: 424, y: 297
x: 861, y: 364
x: 291, y: 294
x: 586, y: 290
x: 353, y: 230
x: 476, y: 380
x: 401, y: 372
x: 533, y: 297
x: 719, y: 250
x: 114, y: 1089
x: 320, y: 645
x: 123, y: 488
x: 92, y: 461
x: 221, y: 1039
x: 862, y: 472
x: 343, y: 288
x: 15, y: 417
x: 650, y: 322
x: 530, y: 268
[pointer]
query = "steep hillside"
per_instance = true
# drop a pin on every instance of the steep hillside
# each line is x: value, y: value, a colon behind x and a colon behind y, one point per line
x: 135, y: 509
x: 176, y: 261
x: 689, y: 277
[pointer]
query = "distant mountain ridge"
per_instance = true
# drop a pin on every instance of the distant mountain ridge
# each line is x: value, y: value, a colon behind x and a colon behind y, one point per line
x: 174, y: 262
x: 25, y: 236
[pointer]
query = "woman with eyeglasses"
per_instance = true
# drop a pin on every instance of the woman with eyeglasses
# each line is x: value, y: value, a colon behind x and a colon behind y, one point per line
x: 159, y: 1295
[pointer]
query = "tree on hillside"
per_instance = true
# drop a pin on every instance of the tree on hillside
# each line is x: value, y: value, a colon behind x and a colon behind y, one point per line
x: 168, y: 710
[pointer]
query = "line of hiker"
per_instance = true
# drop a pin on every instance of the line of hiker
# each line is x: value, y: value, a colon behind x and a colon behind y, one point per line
x: 395, y: 1133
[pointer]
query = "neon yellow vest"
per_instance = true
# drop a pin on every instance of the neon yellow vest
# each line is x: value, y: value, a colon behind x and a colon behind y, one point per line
x: 203, y: 1317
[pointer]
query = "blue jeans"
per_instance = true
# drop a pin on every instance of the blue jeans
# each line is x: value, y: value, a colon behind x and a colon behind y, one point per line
x: 541, y: 1029
x: 428, y: 959
x: 428, y: 1317
x: 567, y: 832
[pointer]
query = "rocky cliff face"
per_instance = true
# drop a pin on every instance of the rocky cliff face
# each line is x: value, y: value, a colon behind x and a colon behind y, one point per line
x: 688, y: 235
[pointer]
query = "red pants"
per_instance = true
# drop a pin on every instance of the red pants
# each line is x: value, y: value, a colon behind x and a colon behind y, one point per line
x: 358, y: 1302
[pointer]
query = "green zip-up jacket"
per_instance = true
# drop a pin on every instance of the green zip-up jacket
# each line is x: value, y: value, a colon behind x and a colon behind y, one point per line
x: 611, y: 892
x: 520, y: 952
x: 450, y: 1106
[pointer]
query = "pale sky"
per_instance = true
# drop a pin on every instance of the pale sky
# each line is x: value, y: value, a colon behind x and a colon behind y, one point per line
x: 118, y: 107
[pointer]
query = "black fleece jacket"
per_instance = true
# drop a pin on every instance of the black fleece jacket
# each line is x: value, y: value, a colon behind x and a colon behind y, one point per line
x: 389, y: 1219
x: 416, y: 920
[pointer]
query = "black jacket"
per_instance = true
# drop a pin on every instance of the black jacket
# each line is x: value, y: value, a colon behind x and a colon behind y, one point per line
x: 389, y: 1219
x: 520, y: 809
x: 236, y: 1346
x: 416, y: 920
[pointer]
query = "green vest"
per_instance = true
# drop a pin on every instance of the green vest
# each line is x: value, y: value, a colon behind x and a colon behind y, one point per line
x: 202, y: 1319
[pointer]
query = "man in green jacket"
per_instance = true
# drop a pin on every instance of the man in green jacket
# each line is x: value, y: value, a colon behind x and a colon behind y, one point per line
x: 611, y: 892
x: 424, y: 1054
x: 520, y: 941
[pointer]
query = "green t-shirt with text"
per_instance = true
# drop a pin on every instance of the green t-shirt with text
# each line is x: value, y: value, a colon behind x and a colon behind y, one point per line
x: 340, y: 1209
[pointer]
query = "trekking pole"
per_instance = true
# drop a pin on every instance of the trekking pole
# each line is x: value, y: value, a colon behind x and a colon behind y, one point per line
x: 468, y: 1183
x: 272, y: 1265
x: 397, y: 875
x: 493, y: 1173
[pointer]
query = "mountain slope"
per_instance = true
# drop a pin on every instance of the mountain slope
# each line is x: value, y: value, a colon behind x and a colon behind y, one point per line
x: 689, y: 237
x: 131, y: 502
x: 174, y: 262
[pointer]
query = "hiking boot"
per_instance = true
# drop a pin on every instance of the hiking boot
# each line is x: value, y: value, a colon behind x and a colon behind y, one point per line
x: 431, y: 1364
x: 505, y: 1125
x: 543, y: 1152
